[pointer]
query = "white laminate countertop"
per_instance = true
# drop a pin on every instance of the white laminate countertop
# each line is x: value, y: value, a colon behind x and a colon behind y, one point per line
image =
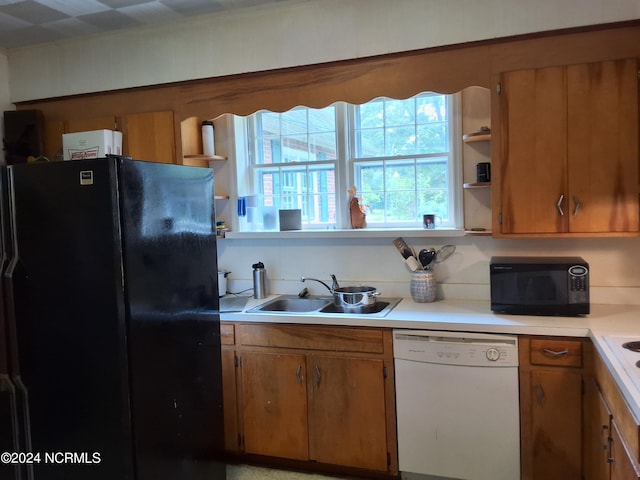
x: 604, y: 321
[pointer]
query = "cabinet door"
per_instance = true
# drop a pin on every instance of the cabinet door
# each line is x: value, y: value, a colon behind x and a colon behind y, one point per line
x: 274, y: 404
x: 556, y: 424
x: 229, y: 399
x: 533, y: 150
x: 597, y: 423
x: 347, y: 417
x: 150, y: 136
x: 624, y: 467
x: 603, y: 146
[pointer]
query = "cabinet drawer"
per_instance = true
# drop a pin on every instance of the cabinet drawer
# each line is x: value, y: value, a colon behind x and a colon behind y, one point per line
x: 561, y: 353
x: 227, y: 334
x: 337, y: 339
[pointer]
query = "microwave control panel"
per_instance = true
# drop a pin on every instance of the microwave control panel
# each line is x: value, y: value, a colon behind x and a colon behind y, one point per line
x: 578, y: 284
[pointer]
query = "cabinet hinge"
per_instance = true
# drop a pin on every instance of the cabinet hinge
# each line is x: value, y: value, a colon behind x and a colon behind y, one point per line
x: 499, y: 88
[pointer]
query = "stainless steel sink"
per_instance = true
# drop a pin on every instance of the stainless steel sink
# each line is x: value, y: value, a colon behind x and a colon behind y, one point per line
x: 292, y: 304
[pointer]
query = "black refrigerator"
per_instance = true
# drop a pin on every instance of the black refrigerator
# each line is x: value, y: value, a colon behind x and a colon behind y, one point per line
x: 110, y: 363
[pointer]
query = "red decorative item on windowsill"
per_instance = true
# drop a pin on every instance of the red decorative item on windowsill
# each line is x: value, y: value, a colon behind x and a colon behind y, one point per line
x: 356, y: 210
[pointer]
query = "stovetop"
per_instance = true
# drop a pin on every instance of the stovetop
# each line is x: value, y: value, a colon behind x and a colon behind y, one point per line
x: 628, y: 358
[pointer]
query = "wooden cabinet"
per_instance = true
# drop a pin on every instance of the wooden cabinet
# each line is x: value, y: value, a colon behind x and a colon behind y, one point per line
x: 597, y: 438
x: 316, y: 395
x: 274, y: 404
x: 551, y: 373
x: 623, y: 465
x: 229, y: 387
x: 568, y: 161
x: 150, y: 136
x: 612, y: 434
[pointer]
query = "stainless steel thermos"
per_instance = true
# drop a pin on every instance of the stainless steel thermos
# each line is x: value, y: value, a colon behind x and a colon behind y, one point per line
x: 259, y: 280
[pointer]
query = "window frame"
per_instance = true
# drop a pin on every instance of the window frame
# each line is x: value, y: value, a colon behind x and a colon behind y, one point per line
x: 345, y: 168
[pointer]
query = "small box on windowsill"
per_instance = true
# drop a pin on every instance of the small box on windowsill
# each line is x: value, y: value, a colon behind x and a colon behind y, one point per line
x: 290, y: 219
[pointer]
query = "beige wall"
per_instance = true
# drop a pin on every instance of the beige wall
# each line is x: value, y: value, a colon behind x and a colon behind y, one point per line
x: 283, y: 34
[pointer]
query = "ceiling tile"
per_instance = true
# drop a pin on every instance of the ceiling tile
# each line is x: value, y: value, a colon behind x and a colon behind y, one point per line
x: 123, y: 3
x: 151, y: 13
x: 75, y: 8
x: 193, y: 7
x: 32, y: 12
x: 70, y: 27
x: 109, y: 20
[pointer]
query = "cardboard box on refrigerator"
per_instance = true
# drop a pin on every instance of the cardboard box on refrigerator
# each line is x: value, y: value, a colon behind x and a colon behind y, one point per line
x: 91, y: 144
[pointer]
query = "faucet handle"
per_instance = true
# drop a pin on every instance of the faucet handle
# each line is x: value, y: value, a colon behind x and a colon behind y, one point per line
x: 335, y: 284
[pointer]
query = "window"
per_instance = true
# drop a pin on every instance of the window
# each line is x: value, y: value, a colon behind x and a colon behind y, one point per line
x: 294, y: 157
x: 398, y: 154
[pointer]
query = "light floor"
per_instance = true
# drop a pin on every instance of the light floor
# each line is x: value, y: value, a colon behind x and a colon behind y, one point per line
x: 247, y: 472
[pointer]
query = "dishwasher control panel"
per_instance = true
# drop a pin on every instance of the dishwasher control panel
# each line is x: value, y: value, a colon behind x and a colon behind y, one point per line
x: 456, y: 348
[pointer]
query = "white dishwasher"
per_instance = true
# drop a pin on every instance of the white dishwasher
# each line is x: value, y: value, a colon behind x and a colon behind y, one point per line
x: 457, y: 405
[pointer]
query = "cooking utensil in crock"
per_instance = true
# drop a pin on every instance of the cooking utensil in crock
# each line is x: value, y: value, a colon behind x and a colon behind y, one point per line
x: 445, y: 252
x: 426, y: 256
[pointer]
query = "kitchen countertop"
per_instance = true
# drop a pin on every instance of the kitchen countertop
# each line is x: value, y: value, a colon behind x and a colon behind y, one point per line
x: 605, y: 322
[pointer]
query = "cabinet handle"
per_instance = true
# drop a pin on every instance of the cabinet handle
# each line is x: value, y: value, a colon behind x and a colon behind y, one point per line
x: 606, y: 438
x: 298, y: 376
x: 318, y: 376
x: 540, y: 394
x: 553, y: 353
x: 578, y: 205
x: 559, y: 205
x: 609, y: 443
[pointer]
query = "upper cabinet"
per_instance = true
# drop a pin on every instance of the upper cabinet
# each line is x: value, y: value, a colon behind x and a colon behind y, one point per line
x: 150, y: 136
x: 568, y: 153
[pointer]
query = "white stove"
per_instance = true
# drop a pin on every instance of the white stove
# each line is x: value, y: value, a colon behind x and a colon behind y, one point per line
x: 626, y: 349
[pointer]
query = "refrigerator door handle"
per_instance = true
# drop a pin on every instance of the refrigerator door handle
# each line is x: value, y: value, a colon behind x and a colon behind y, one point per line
x: 22, y: 394
x: 7, y: 387
x: 26, y: 422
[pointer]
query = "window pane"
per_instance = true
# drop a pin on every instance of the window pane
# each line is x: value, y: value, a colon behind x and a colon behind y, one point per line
x: 311, y: 189
x: 404, y: 127
x: 401, y: 207
x: 400, y: 112
x: 299, y: 135
x: 401, y: 141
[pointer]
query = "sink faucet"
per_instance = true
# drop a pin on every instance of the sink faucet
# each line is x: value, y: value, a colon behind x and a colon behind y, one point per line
x: 331, y: 288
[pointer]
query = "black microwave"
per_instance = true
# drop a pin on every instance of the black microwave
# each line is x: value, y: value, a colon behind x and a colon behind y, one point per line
x: 539, y: 285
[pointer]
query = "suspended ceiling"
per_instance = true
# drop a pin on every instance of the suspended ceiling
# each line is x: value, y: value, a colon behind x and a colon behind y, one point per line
x: 30, y: 22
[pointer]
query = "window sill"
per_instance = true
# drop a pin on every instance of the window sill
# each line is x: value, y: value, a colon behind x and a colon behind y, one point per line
x: 351, y: 233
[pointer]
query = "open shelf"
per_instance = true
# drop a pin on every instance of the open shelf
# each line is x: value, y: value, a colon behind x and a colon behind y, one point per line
x: 205, y: 157
x: 478, y: 233
x: 476, y: 138
x: 476, y: 185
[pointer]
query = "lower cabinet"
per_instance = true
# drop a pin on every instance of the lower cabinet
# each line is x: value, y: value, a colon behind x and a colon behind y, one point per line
x: 551, y: 378
x: 315, y: 394
x: 612, y: 438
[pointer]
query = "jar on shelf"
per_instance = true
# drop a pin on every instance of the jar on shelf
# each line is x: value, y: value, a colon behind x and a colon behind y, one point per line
x: 208, y: 145
x: 423, y: 286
